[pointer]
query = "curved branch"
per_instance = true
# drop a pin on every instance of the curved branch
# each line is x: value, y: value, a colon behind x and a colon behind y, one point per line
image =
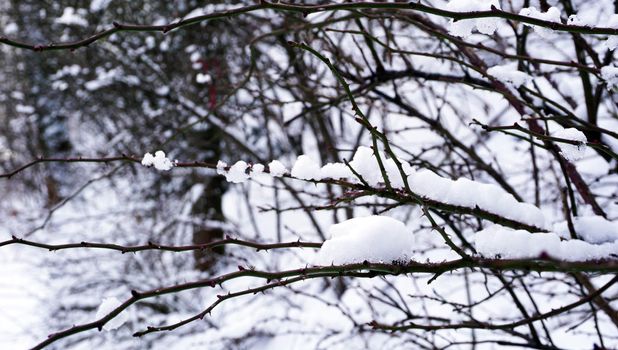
x: 365, y: 270
x: 162, y: 247
x: 305, y: 10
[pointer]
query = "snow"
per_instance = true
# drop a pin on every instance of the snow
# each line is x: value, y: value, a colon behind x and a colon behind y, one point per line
x: 467, y: 193
x: 393, y: 173
x: 592, y: 229
x: 306, y: 168
x: 202, y: 78
x: 242, y: 171
x: 237, y: 172
x: 104, y: 78
x: 371, y: 238
x: 463, y: 28
x: 107, y: 306
x: 19, y: 108
x: 573, y: 20
x: 277, y: 169
x: 336, y: 171
x: 568, y: 151
x: 257, y: 169
x: 519, y: 244
x: 610, y: 75
x: 162, y: 90
x: 72, y: 17
x: 159, y: 161
x: 509, y: 75
x: 612, y: 41
x: 11, y: 28
x: 98, y: 5
x: 221, y: 165
x: 552, y: 15
x: 461, y: 192
x: 365, y: 164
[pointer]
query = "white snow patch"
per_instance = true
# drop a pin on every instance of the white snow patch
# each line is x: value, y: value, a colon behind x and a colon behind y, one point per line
x: 159, y: 161
x: 612, y: 41
x: 365, y: 164
x: 372, y: 238
x: 107, y: 306
x: 202, y: 78
x: 98, y: 5
x: 306, y: 168
x: 468, y: 193
x: 509, y: 75
x: 11, y: 28
x: 552, y: 15
x: 592, y: 229
x: 104, y: 78
x: 519, y: 244
x: 610, y: 75
x: 257, y: 169
x: 568, y: 151
x: 277, y: 169
x: 464, y: 27
x: 573, y: 20
x: 19, y: 108
x: 72, y: 17
x: 336, y: 171
x: 221, y: 165
x: 237, y: 172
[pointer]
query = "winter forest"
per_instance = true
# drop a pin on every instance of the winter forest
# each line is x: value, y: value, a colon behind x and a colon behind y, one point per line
x: 308, y: 174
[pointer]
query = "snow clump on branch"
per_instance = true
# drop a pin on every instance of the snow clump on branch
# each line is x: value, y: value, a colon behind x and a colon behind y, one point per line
x: 509, y: 75
x: 277, y: 169
x: 371, y: 238
x: 519, y: 244
x: 571, y: 152
x: 552, y: 15
x: 464, y: 27
x: 472, y: 194
x: 592, y: 229
x: 159, y: 161
x: 462, y: 192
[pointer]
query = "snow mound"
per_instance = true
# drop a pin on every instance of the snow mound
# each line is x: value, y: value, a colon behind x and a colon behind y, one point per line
x: 366, y: 165
x: 237, y: 172
x: 552, y: 15
x: 519, y: 244
x: 371, y: 238
x: 568, y: 151
x: 470, y: 194
x: 464, y: 27
x: 592, y: 229
x: 159, y: 161
x: 277, y: 169
x: 306, y: 168
x: 336, y: 171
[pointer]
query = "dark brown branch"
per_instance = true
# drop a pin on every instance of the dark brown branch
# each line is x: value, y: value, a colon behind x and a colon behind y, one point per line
x: 155, y: 246
x: 365, y: 269
x: 305, y: 10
